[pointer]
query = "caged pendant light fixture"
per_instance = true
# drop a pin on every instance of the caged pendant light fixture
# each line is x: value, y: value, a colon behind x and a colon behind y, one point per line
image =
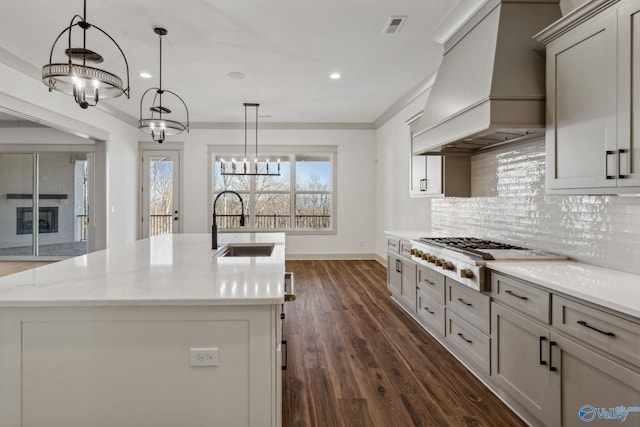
x: 259, y: 168
x: 87, y: 84
x: 157, y: 125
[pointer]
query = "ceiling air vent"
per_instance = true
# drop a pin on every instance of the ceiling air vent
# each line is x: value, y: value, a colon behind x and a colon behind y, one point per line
x: 394, y: 24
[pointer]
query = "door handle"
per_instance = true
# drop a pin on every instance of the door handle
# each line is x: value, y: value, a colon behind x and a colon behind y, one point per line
x: 542, y: 362
x: 285, y: 365
x: 606, y: 164
x: 551, y: 367
x: 620, y: 153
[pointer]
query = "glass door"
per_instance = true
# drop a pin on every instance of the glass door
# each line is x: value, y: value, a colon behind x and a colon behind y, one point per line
x: 45, y: 208
x: 160, y: 192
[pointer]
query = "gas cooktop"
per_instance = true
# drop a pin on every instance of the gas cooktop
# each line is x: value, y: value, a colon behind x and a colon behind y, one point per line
x: 487, y: 249
x: 467, y: 243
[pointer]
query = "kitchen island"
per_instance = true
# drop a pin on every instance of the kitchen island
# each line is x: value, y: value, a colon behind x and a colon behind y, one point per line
x: 108, y: 338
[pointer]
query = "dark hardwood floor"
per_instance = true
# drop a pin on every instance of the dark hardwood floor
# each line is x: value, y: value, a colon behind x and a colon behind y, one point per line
x: 356, y: 359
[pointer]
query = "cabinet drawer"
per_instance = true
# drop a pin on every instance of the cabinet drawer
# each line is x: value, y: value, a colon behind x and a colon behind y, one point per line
x: 610, y: 333
x: 472, y: 345
x: 405, y: 248
x: 393, y: 244
x: 431, y: 314
x: 432, y: 284
x: 521, y: 296
x: 469, y: 304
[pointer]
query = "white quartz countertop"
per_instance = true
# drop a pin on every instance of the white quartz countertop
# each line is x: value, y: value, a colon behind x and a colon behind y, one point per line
x: 179, y: 269
x: 613, y: 289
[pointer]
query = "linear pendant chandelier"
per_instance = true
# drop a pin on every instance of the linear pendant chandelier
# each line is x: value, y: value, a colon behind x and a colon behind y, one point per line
x: 87, y: 84
x: 259, y: 168
x: 157, y: 125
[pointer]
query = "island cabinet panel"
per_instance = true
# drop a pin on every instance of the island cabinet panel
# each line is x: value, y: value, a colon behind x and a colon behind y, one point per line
x: 120, y: 366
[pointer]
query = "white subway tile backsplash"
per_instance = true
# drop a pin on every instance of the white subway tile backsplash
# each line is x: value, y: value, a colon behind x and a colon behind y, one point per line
x: 509, y: 204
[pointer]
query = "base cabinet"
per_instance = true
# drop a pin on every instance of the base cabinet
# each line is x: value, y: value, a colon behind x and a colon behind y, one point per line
x: 559, y: 381
x: 592, y: 388
x: 394, y: 274
x: 520, y: 363
x: 401, y: 273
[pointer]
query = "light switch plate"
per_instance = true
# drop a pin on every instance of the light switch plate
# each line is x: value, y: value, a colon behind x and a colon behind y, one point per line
x: 204, y: 356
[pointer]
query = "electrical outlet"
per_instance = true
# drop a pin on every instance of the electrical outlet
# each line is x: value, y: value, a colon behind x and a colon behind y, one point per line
x: 204, y: 356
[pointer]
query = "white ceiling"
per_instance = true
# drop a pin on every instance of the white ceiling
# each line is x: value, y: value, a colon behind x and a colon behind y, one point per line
x: 286, y: 49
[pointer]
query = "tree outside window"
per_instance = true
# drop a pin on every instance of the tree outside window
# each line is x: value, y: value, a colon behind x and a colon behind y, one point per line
x: 299, y: 199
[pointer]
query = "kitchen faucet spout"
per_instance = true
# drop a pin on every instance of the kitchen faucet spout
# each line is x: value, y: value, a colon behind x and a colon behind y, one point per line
x: 214, y: 226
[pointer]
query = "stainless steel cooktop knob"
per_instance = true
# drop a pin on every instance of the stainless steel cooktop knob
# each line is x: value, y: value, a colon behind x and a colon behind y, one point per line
x: 466, y: 273
x: 425, y: 255
x: 447, y: 265
x: 439, y: 262
x: 431, y: 258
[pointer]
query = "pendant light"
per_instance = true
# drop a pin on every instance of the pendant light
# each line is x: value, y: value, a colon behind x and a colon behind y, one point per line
x: 259, y: 168
x: 157, y: 125
x: 74, y: 77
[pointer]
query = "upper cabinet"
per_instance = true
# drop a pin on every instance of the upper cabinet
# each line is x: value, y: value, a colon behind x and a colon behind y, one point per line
x: 593, y: 125
x: 436, y: 175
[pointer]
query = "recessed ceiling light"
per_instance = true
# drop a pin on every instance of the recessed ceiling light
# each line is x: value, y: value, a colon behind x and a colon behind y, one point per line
x: 236, y: 75
x: 334, y: 76
x: 145, y: 75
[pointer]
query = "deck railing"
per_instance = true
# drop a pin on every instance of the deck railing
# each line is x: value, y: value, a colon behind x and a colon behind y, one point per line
x: 83, y: 225
x: 275, y: 222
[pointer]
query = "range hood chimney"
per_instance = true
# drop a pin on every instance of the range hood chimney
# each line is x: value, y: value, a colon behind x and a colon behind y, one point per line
x: 490, y: 87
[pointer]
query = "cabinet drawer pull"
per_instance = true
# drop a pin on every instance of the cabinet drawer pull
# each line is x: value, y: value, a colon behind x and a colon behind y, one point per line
x: 463, y: 337
x: 586, y: 325
x: 429, y: 311
x: 551, y: 367
x: 429, y: 282
x: 468, y: 304
x: 513, y: 294
x: 542, y: 362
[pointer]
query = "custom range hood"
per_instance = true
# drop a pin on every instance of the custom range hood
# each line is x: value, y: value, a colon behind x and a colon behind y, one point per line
x: 490, y: 87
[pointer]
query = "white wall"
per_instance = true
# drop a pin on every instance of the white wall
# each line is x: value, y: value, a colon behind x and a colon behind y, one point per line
x: 356, y: 186
x: 30, y: 97
x: 395, y: 209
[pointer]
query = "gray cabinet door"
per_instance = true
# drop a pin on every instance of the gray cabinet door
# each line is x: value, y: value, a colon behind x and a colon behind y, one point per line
x: 408, y: 284
x: 593, y: 387
x: 629, y: 94
x: 581, y: 106
x: 520, y: 363
x: 394, y: 274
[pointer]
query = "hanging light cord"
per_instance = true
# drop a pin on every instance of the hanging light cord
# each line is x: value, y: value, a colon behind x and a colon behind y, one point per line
x: 160, y: 91
x: 245, y: 132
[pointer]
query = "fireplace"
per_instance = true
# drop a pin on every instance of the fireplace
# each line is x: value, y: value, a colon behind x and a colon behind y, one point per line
x: 47, y: 221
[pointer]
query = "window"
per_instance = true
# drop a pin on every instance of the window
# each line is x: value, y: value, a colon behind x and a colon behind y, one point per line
x: 301, y: 199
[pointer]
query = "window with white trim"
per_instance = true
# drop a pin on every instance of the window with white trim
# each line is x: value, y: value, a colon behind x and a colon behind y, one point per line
x: 301, y: 199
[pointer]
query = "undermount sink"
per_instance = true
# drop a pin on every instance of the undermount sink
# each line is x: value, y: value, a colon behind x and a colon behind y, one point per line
x: 246, y: 250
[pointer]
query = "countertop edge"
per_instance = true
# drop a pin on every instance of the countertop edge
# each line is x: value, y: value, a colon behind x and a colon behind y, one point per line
x: 507, y: 267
